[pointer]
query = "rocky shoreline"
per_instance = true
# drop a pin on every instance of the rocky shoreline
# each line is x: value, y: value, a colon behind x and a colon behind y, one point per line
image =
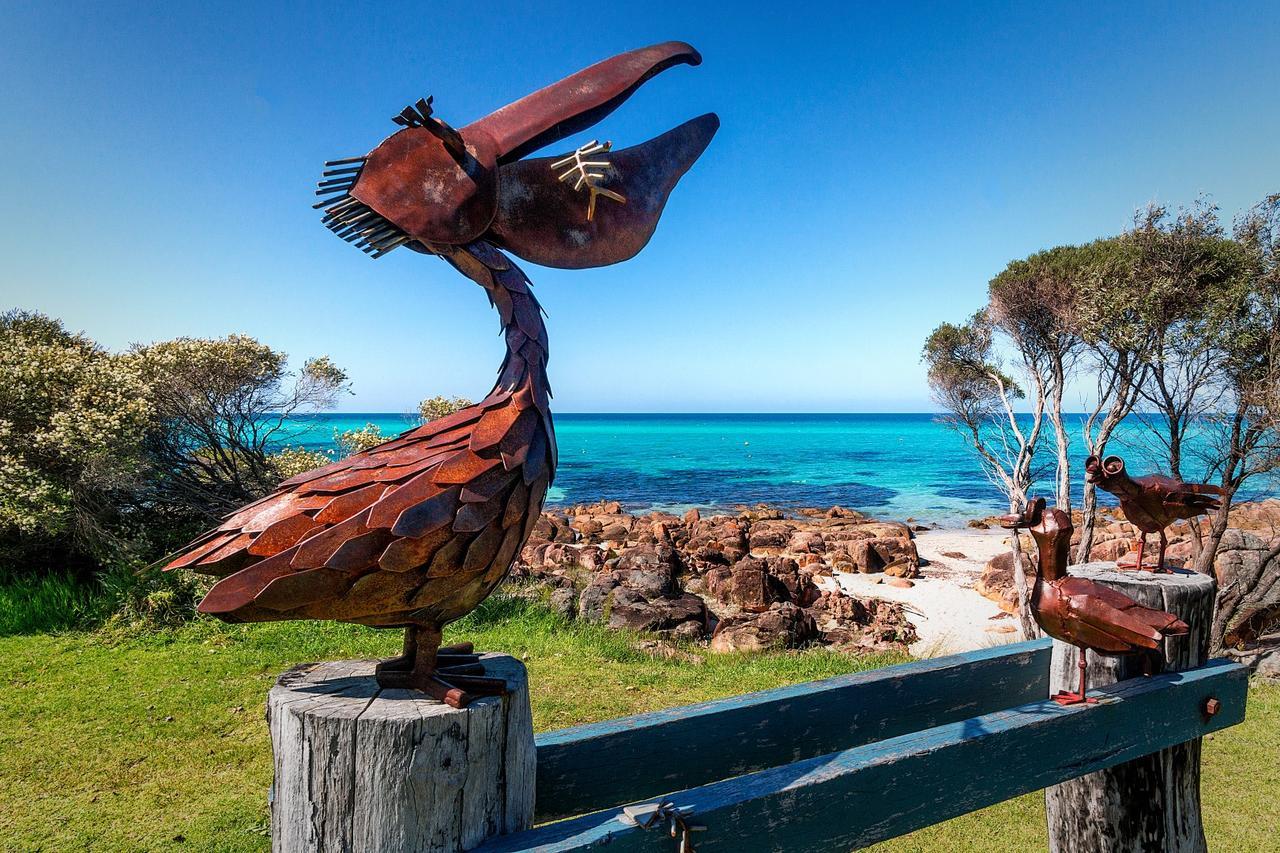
x: 764, y: 578
x: 754, y: 580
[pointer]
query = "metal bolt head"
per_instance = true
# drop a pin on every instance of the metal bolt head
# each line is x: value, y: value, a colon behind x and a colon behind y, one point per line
x: 1211, y: 707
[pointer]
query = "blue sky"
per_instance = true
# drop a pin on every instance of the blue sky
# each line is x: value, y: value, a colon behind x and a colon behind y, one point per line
x: 876, y: 165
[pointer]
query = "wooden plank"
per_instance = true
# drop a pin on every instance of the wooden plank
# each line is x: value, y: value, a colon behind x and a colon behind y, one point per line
x: 870, y: 793
x: 586, y: 768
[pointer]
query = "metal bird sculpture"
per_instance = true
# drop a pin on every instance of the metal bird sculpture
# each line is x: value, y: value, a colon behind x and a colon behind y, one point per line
x: 1079, y: 611
x: 1151, y: 503
x: 417, y: 531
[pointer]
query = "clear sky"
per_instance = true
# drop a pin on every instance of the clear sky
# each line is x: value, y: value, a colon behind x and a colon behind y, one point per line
x: 876, y: 165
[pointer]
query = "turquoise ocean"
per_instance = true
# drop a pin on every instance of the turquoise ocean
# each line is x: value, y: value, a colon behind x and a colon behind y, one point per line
x: 887, y: 465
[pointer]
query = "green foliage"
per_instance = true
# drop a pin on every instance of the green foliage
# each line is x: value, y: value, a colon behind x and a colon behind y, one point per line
x: 962, y: 367
x: 148, y: 599
x: 109, y: 461
x: 437, y: 407
x: 71, y: 421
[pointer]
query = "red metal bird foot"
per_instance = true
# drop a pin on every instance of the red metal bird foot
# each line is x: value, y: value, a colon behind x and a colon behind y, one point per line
x: 451, y: 674
x: 1067, y: 697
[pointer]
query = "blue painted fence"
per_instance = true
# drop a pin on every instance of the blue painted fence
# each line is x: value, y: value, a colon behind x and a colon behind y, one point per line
x: 849, y: 761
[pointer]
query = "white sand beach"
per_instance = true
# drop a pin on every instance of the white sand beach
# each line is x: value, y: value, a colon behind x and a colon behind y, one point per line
x: 949, y: 615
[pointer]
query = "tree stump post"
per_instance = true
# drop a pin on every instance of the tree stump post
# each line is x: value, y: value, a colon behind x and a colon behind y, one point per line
x: 1153, y: 802
x: 361, y: 768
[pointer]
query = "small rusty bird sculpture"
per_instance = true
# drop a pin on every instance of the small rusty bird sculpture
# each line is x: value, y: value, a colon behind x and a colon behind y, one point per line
x: 1079, y: 611
x: 1151, y: 503
x: 416, y: 532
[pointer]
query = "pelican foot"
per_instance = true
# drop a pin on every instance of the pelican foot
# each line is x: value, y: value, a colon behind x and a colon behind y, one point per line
x: 454, y: 677
x: 1067, y: 697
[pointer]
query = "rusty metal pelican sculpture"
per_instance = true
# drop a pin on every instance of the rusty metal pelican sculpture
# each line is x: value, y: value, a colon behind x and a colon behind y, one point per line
x: 1079, y: 611
x: 417, y: 531
x: 1151, y: 503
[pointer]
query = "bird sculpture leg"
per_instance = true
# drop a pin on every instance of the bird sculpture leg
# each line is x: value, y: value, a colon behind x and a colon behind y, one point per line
x: 1142, y: 549
x: 1160, y: 567
x: 1066, y: 697
x: 451, y: 674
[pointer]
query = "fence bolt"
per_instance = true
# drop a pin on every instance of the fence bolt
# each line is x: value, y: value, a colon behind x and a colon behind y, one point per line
x: 1211, y: 706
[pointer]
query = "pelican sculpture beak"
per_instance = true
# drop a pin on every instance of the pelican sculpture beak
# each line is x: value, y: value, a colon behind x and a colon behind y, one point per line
x: 430, y: 186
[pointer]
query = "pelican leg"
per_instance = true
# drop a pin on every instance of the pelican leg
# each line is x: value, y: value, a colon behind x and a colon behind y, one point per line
x: 453, y: 674
x: 1066, y: 697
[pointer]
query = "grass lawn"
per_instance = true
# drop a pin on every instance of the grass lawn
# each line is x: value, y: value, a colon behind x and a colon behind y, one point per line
x: 159, y: 742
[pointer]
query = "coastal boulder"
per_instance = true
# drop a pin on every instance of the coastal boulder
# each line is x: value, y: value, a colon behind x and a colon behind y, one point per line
x: 996, y: 582
x: 892, y: 554
x: 783, y: 626
x: 769, y: 539
x: 716, y: 541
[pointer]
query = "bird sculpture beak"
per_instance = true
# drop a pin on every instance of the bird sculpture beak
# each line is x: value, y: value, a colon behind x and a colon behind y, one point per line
x: 1030, y: 516
x: 430, y: 186
x: 593, y: 206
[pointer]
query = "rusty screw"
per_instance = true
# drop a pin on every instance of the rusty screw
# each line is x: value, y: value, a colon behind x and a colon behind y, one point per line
x: 1211, y: 707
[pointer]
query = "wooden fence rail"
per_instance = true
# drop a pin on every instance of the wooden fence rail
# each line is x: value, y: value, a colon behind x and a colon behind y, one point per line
x: 619, y: 761
x: 909, y: 746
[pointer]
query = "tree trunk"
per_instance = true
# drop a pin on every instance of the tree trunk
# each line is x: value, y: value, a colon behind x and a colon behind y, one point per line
x: 1153, y: 802
x: 1089, y: 521
x: 361, y: 768
x: 1211, y: 541
x: 1026, y: 621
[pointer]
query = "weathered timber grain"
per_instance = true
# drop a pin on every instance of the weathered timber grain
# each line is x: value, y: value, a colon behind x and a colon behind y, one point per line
x: 1152, y: 802
x: 881, y: 790
x: 359, y: 767
x: 590, y: 767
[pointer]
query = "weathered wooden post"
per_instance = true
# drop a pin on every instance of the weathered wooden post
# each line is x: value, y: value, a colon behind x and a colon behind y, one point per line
x: 358, y: 767
x: 1153, y: 802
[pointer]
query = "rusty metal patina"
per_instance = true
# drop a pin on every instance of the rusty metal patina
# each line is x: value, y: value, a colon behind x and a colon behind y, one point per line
x: 416, y: 532
x: 1079, y: 611
x: 1151, y: 503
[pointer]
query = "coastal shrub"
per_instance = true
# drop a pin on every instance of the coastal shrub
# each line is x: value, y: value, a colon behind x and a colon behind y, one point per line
x: 219, y: 407
x: 437, y: 407
x: 147, y: 599
x: 72, y: 418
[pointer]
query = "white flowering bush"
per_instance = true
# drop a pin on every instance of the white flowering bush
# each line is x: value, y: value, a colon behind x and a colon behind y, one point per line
x: 357, y: 440
x: 72, y: 417
x: 293, y: 461
x: 437, y: 407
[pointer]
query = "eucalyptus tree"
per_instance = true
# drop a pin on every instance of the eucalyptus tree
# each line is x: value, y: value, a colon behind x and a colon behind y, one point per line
x: 1116, y: 337
x: 1032, y: 301
x: 978, y: 397
x: 1190, y: 279
x: 1242, y: 436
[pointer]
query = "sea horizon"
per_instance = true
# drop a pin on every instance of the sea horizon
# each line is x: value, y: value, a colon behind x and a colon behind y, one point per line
x: 891, y: 465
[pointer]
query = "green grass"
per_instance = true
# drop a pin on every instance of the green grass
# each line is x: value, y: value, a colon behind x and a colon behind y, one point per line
x: 158, y: 741
x: 49, y: 603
